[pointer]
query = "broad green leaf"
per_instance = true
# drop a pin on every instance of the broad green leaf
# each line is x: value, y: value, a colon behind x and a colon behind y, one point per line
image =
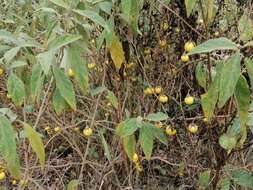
x: 9, y: 113
x: 127, y: 127
x: 61, y: 3
x: 189, y: 4
x: 242, y: 96
x: 214, y: 44
x: 209, y: 9
x: 159, y: 134
x: 65, y: 87
x: 73, y: 185
x: 227, y: 141
x: 97, y: 91
x: 78, y: 65
x: 249, y: 66
x: 224, y: 184
x: 245, y: 27
x: 117, y: 52
x: 112, y: 99
x: 243, y: 178
x: 129, y: 146
x: 159, y: 116
x: 46, y: 59
x: 63, y: 40
x: 59, y: 103
x: 230, y: 74
x: 204, y: 179
x: 10, y: 54
x: 36, y: 81
x: 147, y: 140
x: 16, y: 89
x: 106, y: 147
x: 16, y: 64
x: 8, y: 148
x: 105, y: 6
x: 95, y: 17
x: 200, y: 74
x: 36, y: 143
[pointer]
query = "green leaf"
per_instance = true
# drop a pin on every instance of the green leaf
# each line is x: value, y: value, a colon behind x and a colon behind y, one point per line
x: 16, y: 89
x: 112, y: 99
x: 129, y: 146
x: 10, y: 54
x: 128, y: 127
x: 61, y: 3
x: 63, y: 40
x: 147, y: 140
x: 230, y: 74
x: 65, y: 87
x: 46, y: 59
x: 214, y: 44
x: 243, y: 178
x: 224, y: 184
x: 97, y: 91
x: 16, y: 64
x: 105, y: 6
x: 8, y: 147
x: 9, y: 113
x: 36, y: 143
x: 36, y: 81
x: 73, y: 185
x: 200, y: 74
x: 249, y: 66
x: 7, y: 36
x: 159, y: 116
x: 245, y: 27
x: 106, y: 147
x: 227, y: 141
x: 189, y: 4
x: 94, y: 17
x: 59, y: 103
x: 204, y: 179
x: 78, y: 65
x: 159, y: 134
x: 117, y: 52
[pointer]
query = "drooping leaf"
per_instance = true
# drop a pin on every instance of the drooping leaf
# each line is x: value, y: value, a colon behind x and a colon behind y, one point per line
x: 117, y: 52
x: 227, y: 141
x: 65, y: 87
x: 36, y: 81
x: 63, y: 40
x: 36, y: 143
x: 214, y: 44
x: 46, y: 59
x: 204, y: 179
x: 189, y: 4
x: 245, y: 27
x: 147, y: 140
x: 129, y: 146
x: 243, y: 178
x: 159, y: 116
x: 8, y: 146
x: 16, y: 89
x: 10, y: 54
x: 106, y: 147
x: 200, y: 74
x: 16, y: 64
x: 159, y: 134
x: 112, y: 99
x: 59, y: 103
x: 249, y: 66
x: 128, y: 127
x: 73, y: 184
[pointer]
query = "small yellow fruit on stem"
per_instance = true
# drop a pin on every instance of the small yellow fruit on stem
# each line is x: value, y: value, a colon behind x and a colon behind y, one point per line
x: 205, y: 120
x: 1, y: 71
x: 158, y: 90
x: 57, y: 129
x: 87, y: 132
x: 184, y: 58
x: 14, y: 182
x: 188, y: 46
x: 8, y: 96
x: 71, y: 73
x: 149, y: 91
x: 91, y: 65
x: 193, y: 128
x: 216, y: 34
x: 23, y: 182
x: 189, y: 100
x: 2, y: 176
x: 76, y: 129
x: 135, y: 158
x: 170, y: 131
x: 163, y: 98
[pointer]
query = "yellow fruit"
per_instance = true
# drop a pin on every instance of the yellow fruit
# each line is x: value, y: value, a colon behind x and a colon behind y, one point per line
x: 165, y: 26
x: 135, y: 158
x: 200, y: 21
x: 2, y: 176
x: 205, y: 119
x: 71, y: 73
x: 188, y: 46
x: 147, y: 51
x: 158, y: 90
x: 23, y: 182
x: 184, y: 58
x: 8, y: 96
x: 109, y: 104
x: 76, y: 129
x: 170, y: 131
x: 125, y: 74
x: 193, y: 128
x: 159, y: 125
x: 149, y: 91
x: 189, y: 100
x: 91, y: 65
x: 162, y: 43
x: 14, y: 182
x: 1, y: 71
x: 57, y: 129
x: 177, y: 29
x: 216, y: 34
x: 87, y: 132
x: 163, y: 98
x: 130, y: 65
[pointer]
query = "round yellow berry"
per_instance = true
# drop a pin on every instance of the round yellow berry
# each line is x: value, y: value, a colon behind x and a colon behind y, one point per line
x: 188, y: 46
x: 170, y: 131
x: 193, y: 128
x: 135, y: 158
x: 23, y: 182
x: 184, y: 58
x: 148, y: 91
x: 14, y: 182
x: 158, y: 90
x: 2, y: 176
x: 1, y: 71
x: 71, y: 73
x: 189, y: 100
x: 125, y: 74
x: 163, y: 98
x: 216, y: 34
x: 205, y: 120
x: 87, y: 132
x: 91, y: 65
x: 76, y: 129
x: 162, y: 43
x: 165, y: 26
x: 57, y: 129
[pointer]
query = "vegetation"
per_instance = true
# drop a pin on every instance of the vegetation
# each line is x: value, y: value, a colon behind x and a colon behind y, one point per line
x: 129, y: 94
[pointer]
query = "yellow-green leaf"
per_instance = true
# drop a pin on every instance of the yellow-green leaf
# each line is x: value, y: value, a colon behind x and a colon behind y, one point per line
x: 189, y: 4
x: 73, y: 184
x: 36, y: 143
x: 117, y: 52
x: 129, y: 146
x: 112, y: 99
